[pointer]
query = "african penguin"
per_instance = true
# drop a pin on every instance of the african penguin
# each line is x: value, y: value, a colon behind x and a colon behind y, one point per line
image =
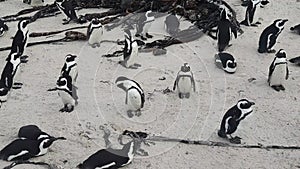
x: 3, y: 27
x: 33, y: 132
x: 20, y: 39
x: 295, y: 60
x: 278, y: 71
x: 224, y: 30
x: 296, y: 29
x: 70, y: 67
x: 95, y: 32
x: 184, y: 81
x: 135, y: 97
x: 250, y: 11
x: 110, y: 158
x: 226, y: 62
x: 172, y: 24
x: 269, y: 36
x: 232, y: 119
x: 143, y: 25
x: 130, y: 51
x: 10, y: 70
x: 24, y: 149
x: 68, y: 9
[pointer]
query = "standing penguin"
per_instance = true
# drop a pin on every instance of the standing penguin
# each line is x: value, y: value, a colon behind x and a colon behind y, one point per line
x: 296, y: 29
x: 172, y: 24
x: 250, y: 11
x: 10, y: 70
x: 226, y: 62
x: 130, y: 51
x: 232, y: 119
x: 70, y: 68
x: 33, y: 132
x: 95, y: 32
x: 111, y: 158
x: 24, y: 149
x: 184, y: 81
x: 135, y: 97
x: 143, y: 25
x: 278, y: 71
x: 224, y: 31
x: 68, y: 9
x: 3, y: 27
x: 269, y: 36
x: 20, y: 39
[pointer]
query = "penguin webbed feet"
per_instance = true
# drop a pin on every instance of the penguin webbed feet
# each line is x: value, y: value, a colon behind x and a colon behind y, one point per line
x: 129, y: 114
x: 17, y: 85
x: 24, y: 59
x: 67, y: 108
x: 148, y: 35
x: 278, y: 87
x: 271, y: 51
x: 235, y: 140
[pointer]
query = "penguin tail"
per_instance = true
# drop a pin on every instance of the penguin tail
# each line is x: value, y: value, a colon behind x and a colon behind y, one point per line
x: 260, y: 50
x: 221, y: 134
x: 244, y: 22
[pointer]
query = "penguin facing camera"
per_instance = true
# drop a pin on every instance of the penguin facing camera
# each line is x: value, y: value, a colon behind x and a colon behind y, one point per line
x: 269, y: 36
x: 130, y: 51
x: 226, y: 62
x: 278, y: 71
x: 250, y: 11
x: 295, y: 60
x: 143, y: 25
x: 3, y: 27
x: 95, y: 32
x: 184, y: 81
x: 33, y: 132
x: 232, y: 119
x: 296, y: 29
x: 70, y: 67
x: 225, y: 30
x: 67, y: 8
x: 135, y: 97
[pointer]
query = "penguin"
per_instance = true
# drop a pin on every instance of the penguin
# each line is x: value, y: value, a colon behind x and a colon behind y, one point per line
x: 3, y: 27
x: 95, y: 32
x: 224, y: 31
x: 172, y: 24
x: 184, y: 81
x: 278, y: 71
x: 232, y: 119
x: 67, y: 8
x: 135, y: 97
x: 10, y: 70
x: 70, y: 68
x: 65, y: 91
x: 24, y: 149
x: 33, y: 132
x: 269, y: 36
x: 250, y: 11
x: 143, y: 25
x: 226, y: 62
x: 295, y: 60
x: 110, y: 158
x: 20, y: 40
x: 130, y: 51
x: 296, y: 29
x: 4, y: 91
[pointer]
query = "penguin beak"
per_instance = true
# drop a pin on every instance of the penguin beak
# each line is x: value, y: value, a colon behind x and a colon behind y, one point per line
x: 285, y: 20
x: 252, y: 103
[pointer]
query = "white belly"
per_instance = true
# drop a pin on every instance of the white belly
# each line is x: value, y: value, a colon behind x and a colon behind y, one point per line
x: 134, y: 100
x: 146, y: 27
x: 74, y: 73
x: 96, y: 37
x: 66, y: 98
x: 133, y: 56
x: 278, y: 76
x: 184, y: 85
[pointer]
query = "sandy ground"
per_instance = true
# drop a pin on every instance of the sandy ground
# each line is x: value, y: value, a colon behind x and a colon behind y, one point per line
x: 275, y: 119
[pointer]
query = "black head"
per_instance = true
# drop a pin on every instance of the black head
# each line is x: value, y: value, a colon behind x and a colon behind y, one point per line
x: 244, y: 104
x: 185, y: 68
x: 223, y: 14
x: 279, y: 23
x: 48, y: 141
x: 121, y: 78
x: 70, y: 58
x: 127, y: 33
x: 281, y: 54
x: 23, y: 24
x: 231, y: 64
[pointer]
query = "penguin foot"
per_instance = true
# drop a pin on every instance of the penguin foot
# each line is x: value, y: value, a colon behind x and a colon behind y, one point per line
x: 62, y: 109
x: 143, y: 38
x: 254, y: 25
x: 281, y: 87
x: 277, y: 88
x: 130, y: 114
x: 187, y: 95
x: 24, y: 59
x: 69, y: 109
x: 181, y: 96
x: 221, y: 134
x: 235, y: 140
x: 94, y: 45
x: 17, y: 86
x: 257, y: 23
x: 148, y: 35
x: 137, y: 35
x: 271, y: 51
x: 138, y: 113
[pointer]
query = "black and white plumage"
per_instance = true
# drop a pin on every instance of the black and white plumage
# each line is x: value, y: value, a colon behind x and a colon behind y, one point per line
x: 172, y: 24
x: 135, y: 97
x: 95, y: 32
x: 295, y: 60
x: 296, y: 29
x: 33, y: 132
x: 130, y: 51
x: 184, y: 81
x: 143, y: 25
x: 3, y: 27
x: 111, y: 158
x: 10, y: 70
x: 68, y: 9
x: 233, y: 117
x: 21, y: 38
x: 24, y: 149
x: 34, y: 2
x: 70, y: 68
x: 278, y: 71
x: 226, y: 62
x: 250, y: 11
x: 269, y: 36
x: 225, y: 30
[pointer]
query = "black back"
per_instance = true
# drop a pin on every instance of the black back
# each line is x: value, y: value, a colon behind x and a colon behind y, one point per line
x: 31, y: 132
x: 224, y: 57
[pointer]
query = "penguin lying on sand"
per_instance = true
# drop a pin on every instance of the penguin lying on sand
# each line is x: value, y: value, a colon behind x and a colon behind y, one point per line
x: 296, y: 29
x: 33, y: 132
x: 184, y: 81
x: 232, y: 119
x: 226, y: 62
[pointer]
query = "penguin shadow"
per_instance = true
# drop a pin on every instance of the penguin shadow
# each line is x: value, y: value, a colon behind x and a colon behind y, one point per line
x: 134, y: 66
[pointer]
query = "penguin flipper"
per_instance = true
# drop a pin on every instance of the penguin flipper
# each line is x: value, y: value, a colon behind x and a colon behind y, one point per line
x: 287, y: 73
